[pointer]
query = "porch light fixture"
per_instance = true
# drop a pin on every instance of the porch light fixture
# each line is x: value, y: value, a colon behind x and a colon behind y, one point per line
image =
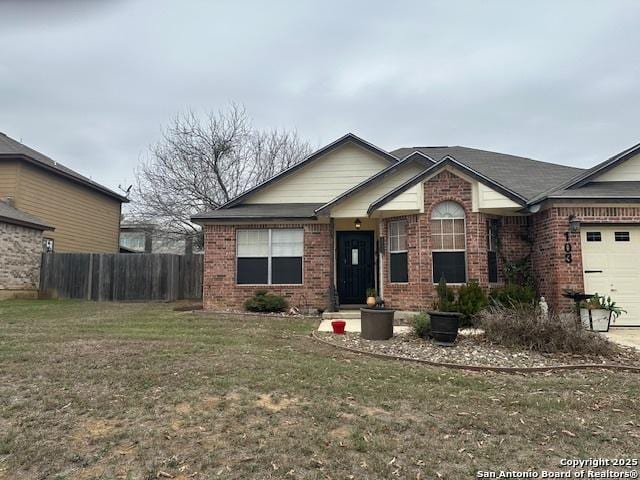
x: 357, y: 224
x: 574, y: 224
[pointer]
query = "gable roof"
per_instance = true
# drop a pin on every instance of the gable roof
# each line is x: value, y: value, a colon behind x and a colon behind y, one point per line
x: 10, y: 214
x: 605, y: 166
x: 348, y: 138
x: 524, y: 176
x: 11, y: 148
x: 447, y: 161
x: 583, y: 186
x: 414, y: 157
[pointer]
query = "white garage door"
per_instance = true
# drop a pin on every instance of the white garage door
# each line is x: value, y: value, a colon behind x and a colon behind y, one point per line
x: 611, y: 261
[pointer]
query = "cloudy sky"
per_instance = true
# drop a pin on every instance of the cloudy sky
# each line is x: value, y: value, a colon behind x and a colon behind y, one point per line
x: 91, y: 83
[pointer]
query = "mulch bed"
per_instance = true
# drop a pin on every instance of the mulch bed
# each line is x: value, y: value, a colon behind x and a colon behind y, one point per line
x: 472, y: 350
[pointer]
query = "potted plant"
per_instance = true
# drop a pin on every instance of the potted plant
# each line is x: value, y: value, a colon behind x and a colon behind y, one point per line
x: 598, y: 312
x: 371, y: 297
x: 445, y: 319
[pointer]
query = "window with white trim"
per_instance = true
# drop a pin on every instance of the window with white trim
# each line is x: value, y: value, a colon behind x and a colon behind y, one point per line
x: 448, y: 242
x: 398, y: 261
x: 269, y: 256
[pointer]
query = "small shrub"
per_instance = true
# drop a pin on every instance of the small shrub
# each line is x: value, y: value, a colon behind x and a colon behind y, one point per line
x: 471, y: 299
x: 266, y: 302
x: 513, y: 295
x: 446, y: 297
x: 522, y: 326
x: 422, y: 325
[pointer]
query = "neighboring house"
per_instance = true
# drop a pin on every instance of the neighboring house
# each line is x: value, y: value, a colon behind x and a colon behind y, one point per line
x: 146, y: 238
x: 20, y: 252
x: 353, y: 216
x: 85, y: 214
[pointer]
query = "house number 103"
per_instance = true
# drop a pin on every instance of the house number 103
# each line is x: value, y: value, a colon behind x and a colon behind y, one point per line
x: 567, y: 248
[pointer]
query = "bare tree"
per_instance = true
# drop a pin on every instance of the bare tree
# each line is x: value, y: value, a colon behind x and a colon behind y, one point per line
x: 202, y: 163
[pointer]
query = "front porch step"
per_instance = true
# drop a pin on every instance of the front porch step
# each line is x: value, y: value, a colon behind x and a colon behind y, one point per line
x: 355, y: 315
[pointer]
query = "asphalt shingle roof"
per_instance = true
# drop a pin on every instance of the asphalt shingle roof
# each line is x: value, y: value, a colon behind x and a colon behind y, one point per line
x: 11, y: 147
x: 524, y: 176
x: 262, y: 210
x: 601, y: 190
x: 9, y: 214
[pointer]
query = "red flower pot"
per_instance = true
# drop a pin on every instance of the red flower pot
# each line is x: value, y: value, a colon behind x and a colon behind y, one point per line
x: 338, y: 326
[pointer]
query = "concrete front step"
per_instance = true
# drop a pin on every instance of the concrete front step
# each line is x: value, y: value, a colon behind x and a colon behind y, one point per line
x: 355, y: 315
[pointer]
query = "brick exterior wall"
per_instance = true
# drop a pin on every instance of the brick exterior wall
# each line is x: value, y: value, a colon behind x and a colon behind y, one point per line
x: 222, y: 292
x: 552, y: 273
x: 515, y: 242
x: 20, y: 250
x: 420, y: 292
x: 539, y: 237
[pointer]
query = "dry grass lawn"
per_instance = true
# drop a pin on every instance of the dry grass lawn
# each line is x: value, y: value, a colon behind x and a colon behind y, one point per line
x: 109, y: 391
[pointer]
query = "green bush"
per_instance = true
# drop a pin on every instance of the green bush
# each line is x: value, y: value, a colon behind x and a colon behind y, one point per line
x: 446, y: 297
x: 266, y: 302
x: 512, y: 295
x: 422, y: 325
x: 523, y: 326
x: 471, y: 299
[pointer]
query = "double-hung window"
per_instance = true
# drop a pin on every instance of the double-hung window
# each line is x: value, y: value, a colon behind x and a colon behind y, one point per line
x: 398, y: 267
x: 269, y: 256
x: 448, y: 241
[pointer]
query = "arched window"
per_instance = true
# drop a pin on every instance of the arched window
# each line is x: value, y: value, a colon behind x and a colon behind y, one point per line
x: 448, y: 242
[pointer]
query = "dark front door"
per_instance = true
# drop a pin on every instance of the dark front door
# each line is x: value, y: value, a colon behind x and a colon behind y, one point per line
x: 355, y: 266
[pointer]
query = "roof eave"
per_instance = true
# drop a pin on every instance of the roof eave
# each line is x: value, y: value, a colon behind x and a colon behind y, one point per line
x: 93, y: 186
x: 24, y: 223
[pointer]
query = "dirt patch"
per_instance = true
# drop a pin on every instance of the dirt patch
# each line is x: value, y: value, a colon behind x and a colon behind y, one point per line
x: 183, y: 408
x: 373, y: 411
x: 340, y: 433
x: 98, y: 428
x: 268, y: 402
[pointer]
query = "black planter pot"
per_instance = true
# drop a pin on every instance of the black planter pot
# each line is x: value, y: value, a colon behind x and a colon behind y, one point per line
x: 376, y: 323
x: 444, y: 327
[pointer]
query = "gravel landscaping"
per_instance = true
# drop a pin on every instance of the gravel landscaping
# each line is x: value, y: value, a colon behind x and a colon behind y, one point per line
x: 471, y: 348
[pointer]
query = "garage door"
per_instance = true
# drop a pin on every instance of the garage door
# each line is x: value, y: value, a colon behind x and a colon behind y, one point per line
x: 611, y: 261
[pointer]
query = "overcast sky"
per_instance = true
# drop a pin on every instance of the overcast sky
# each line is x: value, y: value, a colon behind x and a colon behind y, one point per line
x: 91, y: 83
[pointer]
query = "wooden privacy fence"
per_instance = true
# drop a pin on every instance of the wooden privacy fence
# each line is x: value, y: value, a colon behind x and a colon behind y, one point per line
x: 121, y: 276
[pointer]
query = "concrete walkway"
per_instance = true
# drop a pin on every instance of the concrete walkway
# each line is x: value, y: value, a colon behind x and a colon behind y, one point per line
x: 353, y: 325
x: 627, y: 336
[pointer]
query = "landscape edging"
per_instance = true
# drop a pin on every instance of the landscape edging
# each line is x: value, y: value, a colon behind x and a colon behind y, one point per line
x: 481, y: 368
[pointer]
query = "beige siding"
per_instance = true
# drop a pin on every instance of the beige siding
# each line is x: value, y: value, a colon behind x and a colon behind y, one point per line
x: 357, y: 205
x: 628, y: 171
x: 408, y: 201
x: 490, y: 199
x: 84, y: 220
x: 8, y: 178
x: 323, y: 179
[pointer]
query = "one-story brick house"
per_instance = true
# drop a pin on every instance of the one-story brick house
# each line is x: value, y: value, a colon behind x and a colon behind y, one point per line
x: 353, y: 216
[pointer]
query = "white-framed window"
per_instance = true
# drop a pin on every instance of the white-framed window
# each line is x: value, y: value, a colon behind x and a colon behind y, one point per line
x: 398, y: 252
x: 269, y: 256
x: 448, y: 242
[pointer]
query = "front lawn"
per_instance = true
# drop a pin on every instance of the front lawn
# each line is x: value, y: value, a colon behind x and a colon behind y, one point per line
x: 98, y: 390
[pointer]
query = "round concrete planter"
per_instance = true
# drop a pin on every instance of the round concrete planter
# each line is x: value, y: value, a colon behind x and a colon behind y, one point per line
x: 444, y: 327
x: 376, y: 323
